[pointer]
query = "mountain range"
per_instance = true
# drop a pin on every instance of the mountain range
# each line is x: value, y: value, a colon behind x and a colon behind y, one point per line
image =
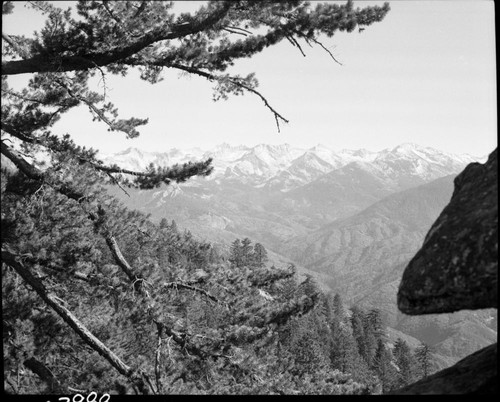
x: 283, y: 167
x: 353, y: 219
x: 276, y: 192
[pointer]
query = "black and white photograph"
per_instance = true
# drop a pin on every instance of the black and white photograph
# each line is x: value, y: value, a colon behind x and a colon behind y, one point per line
x: 248, y: 198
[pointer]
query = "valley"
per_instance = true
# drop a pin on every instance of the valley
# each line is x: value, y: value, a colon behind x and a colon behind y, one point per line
x: 352, y: 219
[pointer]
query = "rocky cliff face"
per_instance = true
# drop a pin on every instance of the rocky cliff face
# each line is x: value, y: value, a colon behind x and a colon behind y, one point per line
x: 457, y: 268
x: 476, y: 374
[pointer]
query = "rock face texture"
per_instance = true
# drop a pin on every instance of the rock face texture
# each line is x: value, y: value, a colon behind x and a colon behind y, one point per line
x: 457, y: 266
x: 476, y: 374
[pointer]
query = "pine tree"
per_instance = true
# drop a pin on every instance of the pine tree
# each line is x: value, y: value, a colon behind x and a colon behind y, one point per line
x: 344, y: 347
x: 338, y: 306
x: 382, y: 364
x: 259, y: 255
x: 358, y: 331
x: 164, y: 223
x: 405, y: 361
x: 374, y: 316
x: 235, y: 256
x: 309, y: 286
x: 370, y: 341
x: 246, y: 251
x: 424, y: 359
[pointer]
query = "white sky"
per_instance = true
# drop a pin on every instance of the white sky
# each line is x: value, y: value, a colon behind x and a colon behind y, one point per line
x: 425, y: 74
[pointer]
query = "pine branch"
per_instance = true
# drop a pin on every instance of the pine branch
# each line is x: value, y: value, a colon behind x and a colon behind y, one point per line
x: 234, y: 81
x: 53, y: 302
x: 43, y: 64
x: 143, y: 180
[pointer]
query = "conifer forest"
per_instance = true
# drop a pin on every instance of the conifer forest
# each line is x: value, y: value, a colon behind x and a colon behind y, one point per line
x: 100, y: 298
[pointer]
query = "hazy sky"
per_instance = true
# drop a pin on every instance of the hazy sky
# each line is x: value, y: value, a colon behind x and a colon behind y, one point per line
x: 425, y: 74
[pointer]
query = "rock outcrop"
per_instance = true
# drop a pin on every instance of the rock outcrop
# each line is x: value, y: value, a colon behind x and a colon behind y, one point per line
x: 457, y: 268
x: 475, y: 374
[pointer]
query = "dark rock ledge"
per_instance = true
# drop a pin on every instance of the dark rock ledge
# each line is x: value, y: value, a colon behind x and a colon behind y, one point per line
x: 457, y: 266
x: 475, y: 374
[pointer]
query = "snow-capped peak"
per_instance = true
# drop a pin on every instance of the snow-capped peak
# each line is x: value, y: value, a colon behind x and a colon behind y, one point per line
x: 266, y: 163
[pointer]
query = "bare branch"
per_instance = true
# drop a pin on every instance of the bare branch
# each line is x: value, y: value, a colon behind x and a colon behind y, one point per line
x: 115, y: 181
x: 159, y: 328
x: 325, y: 49
x: 52, y: 301
x: 176, y: 285
x: 140, y: 9
x: 88, y: 103
x: 234, y: 32
x: 294, y: 42
x: 108, y: 10
x: 240, y: 29
x: 18, y: 49
x: 212, y: 77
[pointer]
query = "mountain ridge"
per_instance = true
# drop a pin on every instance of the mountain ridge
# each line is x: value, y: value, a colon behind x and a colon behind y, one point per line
x: 263, y: 164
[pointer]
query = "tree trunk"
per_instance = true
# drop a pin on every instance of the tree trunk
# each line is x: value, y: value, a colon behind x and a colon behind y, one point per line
x: 53, y: 301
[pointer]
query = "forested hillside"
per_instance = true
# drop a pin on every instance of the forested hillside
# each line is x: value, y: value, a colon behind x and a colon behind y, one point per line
x: 98, y: 298
x: 189, y: 318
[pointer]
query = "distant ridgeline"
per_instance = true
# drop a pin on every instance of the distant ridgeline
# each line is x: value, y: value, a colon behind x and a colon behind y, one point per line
x: 457, y: 268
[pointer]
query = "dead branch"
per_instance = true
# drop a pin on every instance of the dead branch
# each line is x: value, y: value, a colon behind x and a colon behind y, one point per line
x: 182, y: 285
x: 234, y: 32
x: 159, y: 328
x: 18, y: 49
x: 52, y: 301
x: 236, y: 82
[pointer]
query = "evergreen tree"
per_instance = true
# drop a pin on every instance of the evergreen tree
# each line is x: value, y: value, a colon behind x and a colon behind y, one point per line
x: 246, y: 251
x: 308, y: 287
x: 344, y: 347
x: 375, y: 319
x: 382, y: 364
x: 338, y: 307
x: 164, y: 223
x: 259, y: 255
x: 235, y: 256
x: 405, y: 361
x: 370, y: 342
x: 307, y: 349
x: 358, y: 331
x: 424, y: 358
